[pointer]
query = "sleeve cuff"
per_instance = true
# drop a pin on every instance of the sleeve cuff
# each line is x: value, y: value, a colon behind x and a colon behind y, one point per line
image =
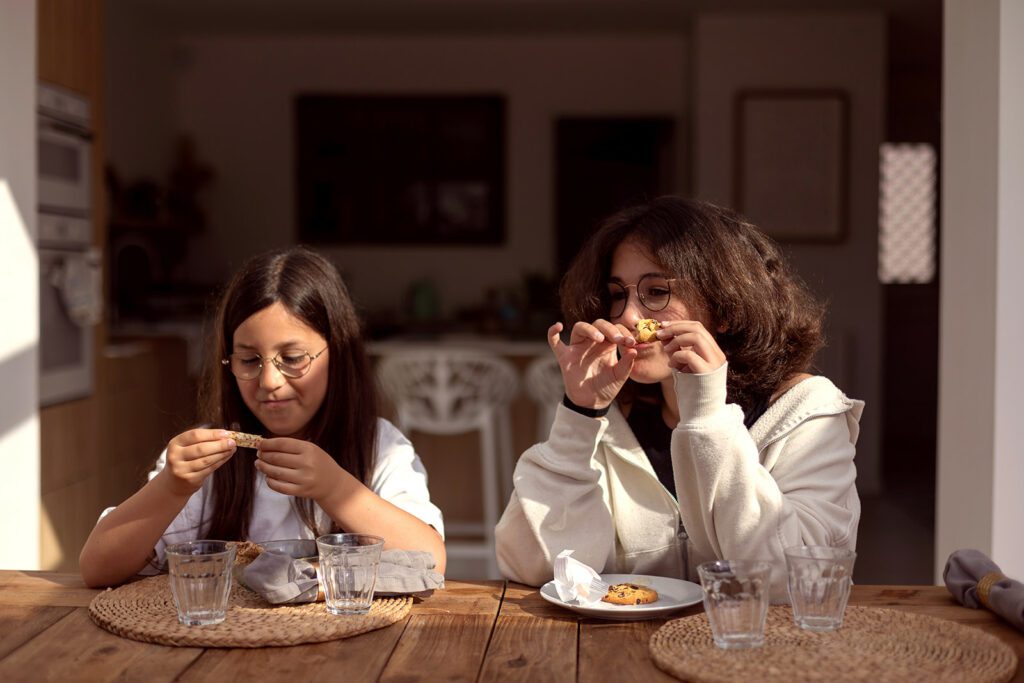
x: 700, y: 396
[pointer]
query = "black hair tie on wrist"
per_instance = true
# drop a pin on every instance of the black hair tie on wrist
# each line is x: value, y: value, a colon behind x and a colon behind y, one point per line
x: 589, y: 412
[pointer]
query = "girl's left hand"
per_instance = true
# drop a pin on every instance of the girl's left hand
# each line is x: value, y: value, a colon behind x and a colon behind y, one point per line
x: 690, y: 347
x: 298, y: 468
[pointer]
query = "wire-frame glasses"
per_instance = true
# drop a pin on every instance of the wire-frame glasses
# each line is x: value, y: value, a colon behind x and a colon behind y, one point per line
x: 654, y: 292
x: 291, y: 363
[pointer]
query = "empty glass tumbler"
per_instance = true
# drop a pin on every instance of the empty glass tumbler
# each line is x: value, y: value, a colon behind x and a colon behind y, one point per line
x: 348, y: 571
x: 200, y: 576
x: 736, y: 596
x: 819, y: 585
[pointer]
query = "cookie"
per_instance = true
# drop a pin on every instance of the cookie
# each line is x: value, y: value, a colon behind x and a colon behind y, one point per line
x: 246, y: 552
x: 244, y: 440
x: 630, y: 594
x: 646, y: 329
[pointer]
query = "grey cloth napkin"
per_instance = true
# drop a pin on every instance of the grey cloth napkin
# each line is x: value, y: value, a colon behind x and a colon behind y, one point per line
x: 281, y: 579
x: 1005, y: 596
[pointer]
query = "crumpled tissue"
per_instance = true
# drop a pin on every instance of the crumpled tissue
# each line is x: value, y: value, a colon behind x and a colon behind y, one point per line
x: 577, y: 583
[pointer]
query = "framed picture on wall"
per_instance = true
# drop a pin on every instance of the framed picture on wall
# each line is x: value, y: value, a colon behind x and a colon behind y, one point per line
x: 790, y: 166
x: 400, y: 170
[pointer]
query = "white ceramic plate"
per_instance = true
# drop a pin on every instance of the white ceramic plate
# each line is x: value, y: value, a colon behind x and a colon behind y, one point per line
x: 673, y: 595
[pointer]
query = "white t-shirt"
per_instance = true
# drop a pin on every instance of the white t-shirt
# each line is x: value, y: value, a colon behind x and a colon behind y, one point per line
x: 398, y: 477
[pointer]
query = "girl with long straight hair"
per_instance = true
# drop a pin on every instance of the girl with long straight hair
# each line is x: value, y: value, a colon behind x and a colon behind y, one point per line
x: 285, y: 361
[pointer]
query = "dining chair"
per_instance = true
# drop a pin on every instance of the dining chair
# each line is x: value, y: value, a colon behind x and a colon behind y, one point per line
x: 457, y: 391
x: 545, y: 387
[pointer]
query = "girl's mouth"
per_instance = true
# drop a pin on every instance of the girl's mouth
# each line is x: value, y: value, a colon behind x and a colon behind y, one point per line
x: 275, y: 404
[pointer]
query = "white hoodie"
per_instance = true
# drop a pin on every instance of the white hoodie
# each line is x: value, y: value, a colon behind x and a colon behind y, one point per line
x: 743, y: 494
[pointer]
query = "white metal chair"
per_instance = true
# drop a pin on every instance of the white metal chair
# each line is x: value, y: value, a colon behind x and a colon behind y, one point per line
x: 455, y: 391
x: 545, y: 387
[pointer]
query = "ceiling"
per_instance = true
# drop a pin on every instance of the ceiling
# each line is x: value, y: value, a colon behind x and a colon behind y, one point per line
x: 482, y: 16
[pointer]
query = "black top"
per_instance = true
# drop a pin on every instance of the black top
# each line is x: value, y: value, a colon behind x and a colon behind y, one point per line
x: 655, y: 438
x: 756, y: 411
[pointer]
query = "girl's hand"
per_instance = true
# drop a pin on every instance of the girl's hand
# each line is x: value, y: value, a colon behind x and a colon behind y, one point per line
x: 193, y: 456
x: 595, y: 363
x: 690, y: 347
x: 298, y: 468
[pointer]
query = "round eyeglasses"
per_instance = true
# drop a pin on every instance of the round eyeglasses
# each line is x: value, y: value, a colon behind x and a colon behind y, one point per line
x: 654, y: 292
x: 291, y: 363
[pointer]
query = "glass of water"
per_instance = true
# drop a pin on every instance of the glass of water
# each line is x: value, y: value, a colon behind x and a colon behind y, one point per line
x: 819, y: 585
x: 736, y: 601
x: 348, y: 571
x: 200, y: 576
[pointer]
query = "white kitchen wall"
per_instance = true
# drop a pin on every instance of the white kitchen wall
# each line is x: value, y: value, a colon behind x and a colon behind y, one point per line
x: 981, y: 434
x: 833, y: 51
x: 234, y: 94
x: 19, y: 291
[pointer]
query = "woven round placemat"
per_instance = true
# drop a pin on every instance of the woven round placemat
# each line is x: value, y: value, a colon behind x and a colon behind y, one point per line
x: 144, y: 611
x: 873, y: 644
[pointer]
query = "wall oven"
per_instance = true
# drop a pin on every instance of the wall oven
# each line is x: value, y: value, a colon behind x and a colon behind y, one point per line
x: 70, y: 291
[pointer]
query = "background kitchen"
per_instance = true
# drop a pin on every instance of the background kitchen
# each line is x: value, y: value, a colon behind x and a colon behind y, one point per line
x: 449, y: 157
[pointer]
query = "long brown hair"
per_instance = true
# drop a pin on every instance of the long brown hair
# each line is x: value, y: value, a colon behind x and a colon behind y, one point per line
x: 345, y: 426
x: 772, y: 322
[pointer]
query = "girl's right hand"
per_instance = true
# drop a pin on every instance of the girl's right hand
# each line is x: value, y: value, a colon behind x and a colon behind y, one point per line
x: 595, y: 363
x: 193, y: 456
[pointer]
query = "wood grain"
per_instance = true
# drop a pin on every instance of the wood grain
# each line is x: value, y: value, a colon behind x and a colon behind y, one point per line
x: 462, y: 597
x: 530, y: 649
x: 525, y: 601
x: 618, y: 651
x: 20, y: 624
x: 440, y: 648
x: 470, y: 631
x: 76, y: 649
x: 360, y: 658
x: 51, y: 589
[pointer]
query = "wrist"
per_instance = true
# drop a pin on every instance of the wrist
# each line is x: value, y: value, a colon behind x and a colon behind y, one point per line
x: 174, y: 487
x: 340, y: 489
x: 582, y: 410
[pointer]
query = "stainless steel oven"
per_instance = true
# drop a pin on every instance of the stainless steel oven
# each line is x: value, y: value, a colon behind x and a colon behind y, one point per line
x: 65, y: 151
x: 70, y: 296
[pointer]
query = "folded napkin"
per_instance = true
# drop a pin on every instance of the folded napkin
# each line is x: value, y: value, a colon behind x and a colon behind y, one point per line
x: 577, y: 583
x: 976, y: 581
x: 282, y: 579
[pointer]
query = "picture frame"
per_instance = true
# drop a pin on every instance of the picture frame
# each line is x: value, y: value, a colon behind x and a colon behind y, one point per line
x: 791, y: 163
x: 397, y: 170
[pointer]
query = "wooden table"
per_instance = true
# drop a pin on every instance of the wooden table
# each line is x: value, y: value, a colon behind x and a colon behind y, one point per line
x: 471, y: 631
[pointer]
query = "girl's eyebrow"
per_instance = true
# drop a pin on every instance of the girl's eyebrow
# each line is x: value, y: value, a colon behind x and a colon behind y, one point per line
x: 619, y: 280
x: 291, y: 343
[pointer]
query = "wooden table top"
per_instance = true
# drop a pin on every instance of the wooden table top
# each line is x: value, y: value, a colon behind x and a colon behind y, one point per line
x: 470, y: 631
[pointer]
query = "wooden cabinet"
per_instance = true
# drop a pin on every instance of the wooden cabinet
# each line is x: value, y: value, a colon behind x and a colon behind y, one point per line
x: 69, y: 44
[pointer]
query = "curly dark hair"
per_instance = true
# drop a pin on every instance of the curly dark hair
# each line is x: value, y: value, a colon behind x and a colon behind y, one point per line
x: 772, y: 323
x: 345, y: 426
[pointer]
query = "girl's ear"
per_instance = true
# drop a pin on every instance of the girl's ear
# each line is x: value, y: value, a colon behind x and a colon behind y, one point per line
x: 722, y: 328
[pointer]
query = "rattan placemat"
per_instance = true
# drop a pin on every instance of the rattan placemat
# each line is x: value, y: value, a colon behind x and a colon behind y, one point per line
x: 144, y: 611
x: 874, y: 644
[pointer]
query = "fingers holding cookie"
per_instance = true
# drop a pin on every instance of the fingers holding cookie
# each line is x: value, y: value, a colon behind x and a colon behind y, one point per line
x: 647, y: 330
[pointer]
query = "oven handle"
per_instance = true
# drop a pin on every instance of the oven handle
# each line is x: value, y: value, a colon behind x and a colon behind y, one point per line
x: 67, y: 129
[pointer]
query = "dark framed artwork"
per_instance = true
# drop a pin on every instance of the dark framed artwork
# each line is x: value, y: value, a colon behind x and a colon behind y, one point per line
x: 400, y: 170
x: 791, y: 159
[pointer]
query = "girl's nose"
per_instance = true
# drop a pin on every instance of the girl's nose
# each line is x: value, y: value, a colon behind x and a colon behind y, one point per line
x: 632, y: 312
x: 270, y: 377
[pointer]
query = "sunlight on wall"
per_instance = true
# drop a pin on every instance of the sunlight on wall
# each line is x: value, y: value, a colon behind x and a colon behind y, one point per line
x: 19, y: 417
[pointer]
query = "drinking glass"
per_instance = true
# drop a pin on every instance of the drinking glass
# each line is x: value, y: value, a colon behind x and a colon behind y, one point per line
x: 819, y: 585
x: 736, y: 601
x: 200, y: 576
x: 348, y: 571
